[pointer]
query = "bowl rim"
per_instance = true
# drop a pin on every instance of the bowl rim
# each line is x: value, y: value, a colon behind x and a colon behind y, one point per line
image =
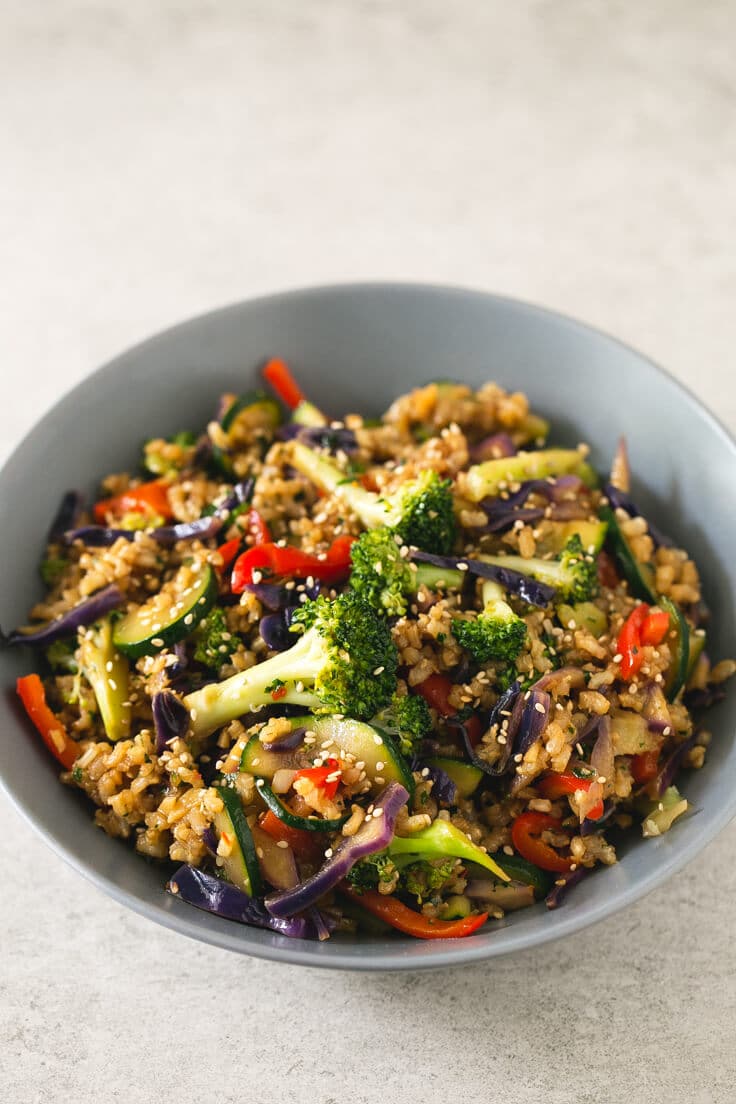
x: 228, y: 935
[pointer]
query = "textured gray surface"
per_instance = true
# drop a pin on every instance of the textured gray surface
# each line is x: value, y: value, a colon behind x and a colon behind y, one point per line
x: 157, y: 163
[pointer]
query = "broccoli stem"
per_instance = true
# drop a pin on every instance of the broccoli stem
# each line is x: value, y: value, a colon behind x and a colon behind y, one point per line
x: 221, y: 702
x: 369, y: 507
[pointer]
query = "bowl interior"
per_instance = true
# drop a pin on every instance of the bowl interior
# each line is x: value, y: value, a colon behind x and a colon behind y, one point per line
x: 356, y: 348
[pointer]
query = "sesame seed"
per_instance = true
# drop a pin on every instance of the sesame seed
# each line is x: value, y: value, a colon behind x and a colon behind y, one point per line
x: 666, y: 731
x: 379, y: 766
x: 539, y: 707
x: 193, y: 714
x: 378, y: 812
x: 379, y: 670
x: 112, y: 684
x: 281, y: 843
x: 507, y: 849
x: 157, y: 642
x: 518, y: 758
x: 328, y: 853
x: 462, y: 567
x: 109, y: 666
x: 377, y: 740
x: 617, y: 658
x: 601, y: 779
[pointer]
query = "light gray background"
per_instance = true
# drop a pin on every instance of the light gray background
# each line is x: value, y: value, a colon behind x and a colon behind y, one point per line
x: 160, y: 159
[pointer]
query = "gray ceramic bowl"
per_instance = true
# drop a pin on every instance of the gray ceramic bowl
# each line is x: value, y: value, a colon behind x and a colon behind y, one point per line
x: 355, y: 348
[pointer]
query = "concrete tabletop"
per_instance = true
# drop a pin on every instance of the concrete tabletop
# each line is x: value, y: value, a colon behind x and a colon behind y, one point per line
x: 161, y: 159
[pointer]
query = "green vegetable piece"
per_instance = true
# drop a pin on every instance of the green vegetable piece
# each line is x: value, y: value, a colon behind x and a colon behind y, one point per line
x: 584, y: 615
x: 457, y: 907
x: 372, y: 871
x: 639, y: 576
x: 466, y: 777
x: 485, y: 480
x: 573, y: 574
x: 307, y: 414
x: 214, y: 644
x: 388, y: 581
x: 421, y: 511
x: 497, y: 633
x: 658, y: 821
x: 334, y: 735
x: 522, y: 871
x: 425, y: 879
x: 344, y: 661
x: 107, y: 672
x: 679, y: 646
x: 61, y: 656
x: 407, y: 719
x: 306, y: 824
x: 150, y: 628
x: 240, y: 863
x: 442, y: 839
x: 52, y: 568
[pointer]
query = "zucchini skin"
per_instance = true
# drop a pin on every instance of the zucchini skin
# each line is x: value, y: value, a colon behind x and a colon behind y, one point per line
x: 134, y: 645
x: 306, y: 824
x: 641, y: 586
x: 244, y: 841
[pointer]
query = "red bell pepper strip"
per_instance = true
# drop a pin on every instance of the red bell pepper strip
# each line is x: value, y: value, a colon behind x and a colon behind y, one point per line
x: 655, y: 627
x: 293, y: 563
x: 303, y: 843
x: 643, y: 626
x: 405, y: 920
x: 436, y: 692
x: 229, y: 551
x: 559, y: 785
x: 319, y: 775
x: 257, y: 528
x: 277, y: 374
x: 148, y: 498
x: 645, y: 766
x: 629, y: 644
x: 32, y: 694
x: 525, y: 836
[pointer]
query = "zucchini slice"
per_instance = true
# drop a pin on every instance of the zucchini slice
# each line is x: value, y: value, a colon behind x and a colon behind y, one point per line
x: 255, y: 411
x: 153, y: 626
x: 307, y: 824
x: 556, y: 534
x: 466, y: 777
x: 485, y: 479
x: 333, y: 736
x: 107, y: 672
x: 240, y: 866
x: 639, y: 576
x: 522, y: 871
x: 680, y: 648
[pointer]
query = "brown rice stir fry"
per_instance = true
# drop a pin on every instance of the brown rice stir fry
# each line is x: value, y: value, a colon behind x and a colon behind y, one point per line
x: 358, y: 676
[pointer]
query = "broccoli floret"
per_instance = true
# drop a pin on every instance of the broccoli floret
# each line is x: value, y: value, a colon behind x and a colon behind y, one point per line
x: 61, y: 656
x: 573, y: 574
x: 497, y: 633
x: 427, y: 878
x: 380, y: 574
x: 421, y: 511
x: 52, y: 568
x: 214, y: 644
x: 388, y: 581
x: 344, y: 662
x: 372, y: 871
x: 406, y: 717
